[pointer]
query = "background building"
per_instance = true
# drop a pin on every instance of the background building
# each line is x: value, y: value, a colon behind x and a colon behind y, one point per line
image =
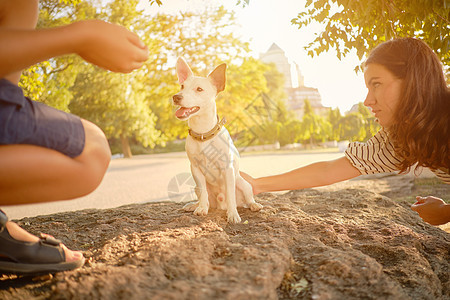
x: 276, y: 55
x: 294, y: 83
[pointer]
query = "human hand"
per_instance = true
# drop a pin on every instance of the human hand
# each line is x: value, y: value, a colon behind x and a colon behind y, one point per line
x: 109, y: 46
x: 250, y: 180
x: 432, y: 210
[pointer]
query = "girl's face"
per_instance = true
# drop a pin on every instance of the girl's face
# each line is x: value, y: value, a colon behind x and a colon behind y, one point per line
x: 384, y: 93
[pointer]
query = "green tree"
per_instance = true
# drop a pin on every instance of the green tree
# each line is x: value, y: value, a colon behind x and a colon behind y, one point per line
x: 267, y: 115
x: 117, y: 102
x: 275, y: 83
x: 314, y: 128
x: 334, y: 117
x: 138, y: 106
x: 114, y: 102
x: 352, y: 127
x: 171, y: 36
x: 291, y: 132
x: 371, y: 127
x: 276, y: 123
x: 49, y: 81
x: 362, y: 25
x: 243, y: 100
x: 307, y: 110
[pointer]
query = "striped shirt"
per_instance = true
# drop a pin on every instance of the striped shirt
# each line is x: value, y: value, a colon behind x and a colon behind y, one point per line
x: 377, y: 155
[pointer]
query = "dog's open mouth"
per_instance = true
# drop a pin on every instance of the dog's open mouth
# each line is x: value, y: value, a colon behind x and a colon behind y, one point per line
x: 185, y: 112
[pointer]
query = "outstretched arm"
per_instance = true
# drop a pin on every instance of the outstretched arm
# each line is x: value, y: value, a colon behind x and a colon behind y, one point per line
x: 313, y: 175
x: 107, y: 45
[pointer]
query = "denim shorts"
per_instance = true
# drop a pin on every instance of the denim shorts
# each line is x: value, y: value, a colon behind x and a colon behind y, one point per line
x: 24, y: 121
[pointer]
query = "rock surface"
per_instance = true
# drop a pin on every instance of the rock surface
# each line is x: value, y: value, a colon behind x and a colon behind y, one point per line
x: 356, y: 240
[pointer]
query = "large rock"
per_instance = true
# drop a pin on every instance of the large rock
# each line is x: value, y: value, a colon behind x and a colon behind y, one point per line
x: 313, y: 244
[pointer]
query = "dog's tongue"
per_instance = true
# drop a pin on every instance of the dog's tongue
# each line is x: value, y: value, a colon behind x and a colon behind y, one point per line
x: 184, y: 112
x: 180, y: 112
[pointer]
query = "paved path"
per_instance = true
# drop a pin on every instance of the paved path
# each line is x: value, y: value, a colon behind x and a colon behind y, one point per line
x: 162, y: 177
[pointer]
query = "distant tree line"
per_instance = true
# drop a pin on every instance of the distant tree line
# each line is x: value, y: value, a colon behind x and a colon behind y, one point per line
x: 135, y: 110
x: 276, y: 123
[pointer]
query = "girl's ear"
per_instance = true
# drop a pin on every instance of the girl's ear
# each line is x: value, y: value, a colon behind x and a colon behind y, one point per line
x: 183, y: 70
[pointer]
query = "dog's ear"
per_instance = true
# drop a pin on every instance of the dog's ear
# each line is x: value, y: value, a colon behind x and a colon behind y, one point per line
x: 218, y: 77
x: 183, y: 70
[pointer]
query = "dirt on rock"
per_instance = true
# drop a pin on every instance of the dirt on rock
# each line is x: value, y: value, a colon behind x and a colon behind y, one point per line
x: 354, y: 240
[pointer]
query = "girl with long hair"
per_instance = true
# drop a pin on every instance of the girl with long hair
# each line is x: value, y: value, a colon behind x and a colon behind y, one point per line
x: 409, y: 96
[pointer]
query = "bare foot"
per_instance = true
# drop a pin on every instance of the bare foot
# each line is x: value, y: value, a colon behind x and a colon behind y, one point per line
x: 20, y: 234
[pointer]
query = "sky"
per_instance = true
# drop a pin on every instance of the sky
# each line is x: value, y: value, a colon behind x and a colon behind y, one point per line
x: 264, y: 22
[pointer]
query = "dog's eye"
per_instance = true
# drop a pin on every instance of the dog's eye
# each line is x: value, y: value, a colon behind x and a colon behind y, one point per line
x: 182, y: 86
x: 199, y: 89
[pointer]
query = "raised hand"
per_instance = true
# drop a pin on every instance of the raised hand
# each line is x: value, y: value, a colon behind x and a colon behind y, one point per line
x: 109, y: 46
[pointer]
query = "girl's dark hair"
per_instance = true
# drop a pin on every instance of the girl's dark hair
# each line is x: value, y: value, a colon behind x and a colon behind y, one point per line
x: 421, y: 132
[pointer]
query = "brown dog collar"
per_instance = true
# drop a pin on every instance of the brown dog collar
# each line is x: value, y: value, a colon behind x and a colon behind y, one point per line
x: 210, y: 134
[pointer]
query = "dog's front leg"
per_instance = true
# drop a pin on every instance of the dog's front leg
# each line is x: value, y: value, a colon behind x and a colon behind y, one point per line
x: 247, y: 192
x: 232, y: 213
x: 201, y: 191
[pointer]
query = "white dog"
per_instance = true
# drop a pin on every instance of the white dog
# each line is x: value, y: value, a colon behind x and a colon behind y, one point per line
x: 213, y: 156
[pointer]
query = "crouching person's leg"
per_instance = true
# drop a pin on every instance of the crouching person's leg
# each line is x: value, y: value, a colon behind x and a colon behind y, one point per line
x: 33, y: 174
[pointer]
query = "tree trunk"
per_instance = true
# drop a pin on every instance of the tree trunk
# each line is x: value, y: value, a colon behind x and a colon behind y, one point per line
x: 125, y: 146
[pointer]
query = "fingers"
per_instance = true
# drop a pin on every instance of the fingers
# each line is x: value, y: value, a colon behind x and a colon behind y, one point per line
x: 431, y: 210
x: 142, y: 51
x: 130, y: 68
x: 138, y: 55
x: 142, y: 55
x: 111, y: 47
x: 134, y: 39
x: 430, y: 201
x: 415, y: 207
x: 419, y: 201
x: 132, y: 63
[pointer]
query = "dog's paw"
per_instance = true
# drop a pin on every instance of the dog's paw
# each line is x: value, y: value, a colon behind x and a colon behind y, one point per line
x: 190, y: 206
x: 255, y: 206
x: 201, y: 211
x: 234, y: 218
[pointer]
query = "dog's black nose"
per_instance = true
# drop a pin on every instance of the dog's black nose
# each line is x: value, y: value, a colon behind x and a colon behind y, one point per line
x: 177, y: 99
